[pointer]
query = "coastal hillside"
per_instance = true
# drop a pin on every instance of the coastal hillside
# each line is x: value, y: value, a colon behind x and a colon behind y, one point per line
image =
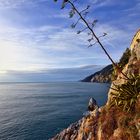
x: 119, y: 119
x: 107, y: 74
x: 102, y: 76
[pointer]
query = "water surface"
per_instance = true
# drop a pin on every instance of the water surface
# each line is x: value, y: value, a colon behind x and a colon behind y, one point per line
x: 37, y: 111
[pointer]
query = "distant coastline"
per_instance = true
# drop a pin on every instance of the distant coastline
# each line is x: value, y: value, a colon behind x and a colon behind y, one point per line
x: 102, y: 76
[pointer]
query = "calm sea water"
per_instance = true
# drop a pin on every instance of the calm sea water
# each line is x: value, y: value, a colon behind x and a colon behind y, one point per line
x: 37, y: 111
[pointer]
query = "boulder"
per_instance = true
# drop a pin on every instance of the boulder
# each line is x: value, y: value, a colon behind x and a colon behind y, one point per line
x: 92, y: 105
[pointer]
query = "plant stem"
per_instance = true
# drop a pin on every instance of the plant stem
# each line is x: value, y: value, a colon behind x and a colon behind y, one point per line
x: 98, y: 40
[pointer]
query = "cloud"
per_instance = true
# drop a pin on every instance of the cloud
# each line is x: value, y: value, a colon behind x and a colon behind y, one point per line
x: 102, y: 3
x: 134, y: 10
x: 33, y: 46
x: 53, y: 46
x: 18, y: 3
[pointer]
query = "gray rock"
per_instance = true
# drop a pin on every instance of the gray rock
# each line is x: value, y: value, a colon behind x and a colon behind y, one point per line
x: 92, y: 104
x: 70, y: 133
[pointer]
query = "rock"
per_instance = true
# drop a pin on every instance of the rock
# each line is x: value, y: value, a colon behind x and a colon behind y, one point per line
x: 92, y: 104
x: 137, y: 49
x: 86, y: 114
x: 109, y: 123
x: 70, y: 133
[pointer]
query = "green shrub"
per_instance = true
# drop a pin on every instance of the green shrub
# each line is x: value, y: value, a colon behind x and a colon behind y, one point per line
x: 125, y: 58
x: 125, y: 95
x: 121, y: 64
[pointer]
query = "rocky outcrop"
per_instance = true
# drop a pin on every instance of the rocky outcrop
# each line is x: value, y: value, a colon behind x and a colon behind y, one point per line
x: 110, y: 122
x: 92, y: 105
x: 70, y: 133
x: 103, y: 124
x: 77, y: 131
x: 132, y: 67
x: 102, y: 76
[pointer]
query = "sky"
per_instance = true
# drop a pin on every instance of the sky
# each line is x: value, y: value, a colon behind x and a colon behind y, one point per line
x: 36, y: 35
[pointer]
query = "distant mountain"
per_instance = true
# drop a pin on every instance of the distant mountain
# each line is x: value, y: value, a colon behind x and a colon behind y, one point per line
x: 106, y: 74
x: 102, y: 76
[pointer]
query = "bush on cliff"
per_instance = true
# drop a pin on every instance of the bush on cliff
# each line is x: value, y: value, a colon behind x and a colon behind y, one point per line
x: 125, y: 58
x: 126, y: 95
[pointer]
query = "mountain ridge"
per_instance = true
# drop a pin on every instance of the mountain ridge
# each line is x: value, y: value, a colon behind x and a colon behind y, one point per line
x: 102, y: 76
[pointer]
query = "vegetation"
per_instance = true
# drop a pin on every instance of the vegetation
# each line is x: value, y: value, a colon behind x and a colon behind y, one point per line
x: 125, y: 95
x: 123, y: 61
x: 89, y: 28
x: 121, y: 119
x: 125, y: 58
x: 114, y: 119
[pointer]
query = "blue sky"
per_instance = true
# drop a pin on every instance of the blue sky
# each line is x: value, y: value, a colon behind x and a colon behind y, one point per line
x: 36, y: 34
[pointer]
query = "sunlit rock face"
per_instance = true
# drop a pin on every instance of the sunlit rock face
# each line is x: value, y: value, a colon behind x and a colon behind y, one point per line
x: 106, y: 123
x: 136, y: 36
x: 133, y: 65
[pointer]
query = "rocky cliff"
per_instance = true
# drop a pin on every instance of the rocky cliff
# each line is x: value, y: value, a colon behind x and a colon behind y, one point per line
x: 102, y: 76
x: 113, y: 121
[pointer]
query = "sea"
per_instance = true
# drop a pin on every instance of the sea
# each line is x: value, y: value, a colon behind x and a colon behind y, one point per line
x: 38, y: 111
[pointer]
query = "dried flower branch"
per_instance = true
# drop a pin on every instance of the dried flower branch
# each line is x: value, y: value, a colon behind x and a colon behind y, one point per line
x: 90, y: 26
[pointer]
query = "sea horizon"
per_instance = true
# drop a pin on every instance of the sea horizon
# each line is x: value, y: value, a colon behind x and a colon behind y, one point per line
x: 51, y: 75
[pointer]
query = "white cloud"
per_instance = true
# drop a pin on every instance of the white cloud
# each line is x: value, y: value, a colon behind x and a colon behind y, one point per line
x: 133, y: 10
x: 101, y: 3
x: 26, y: 48
x: 18, y: 3
x: 44, y: 47
x: 17, y: 57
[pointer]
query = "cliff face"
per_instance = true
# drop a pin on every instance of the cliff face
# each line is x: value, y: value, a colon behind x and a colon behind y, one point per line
x: 110, y: 122
x: 133, y: 65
